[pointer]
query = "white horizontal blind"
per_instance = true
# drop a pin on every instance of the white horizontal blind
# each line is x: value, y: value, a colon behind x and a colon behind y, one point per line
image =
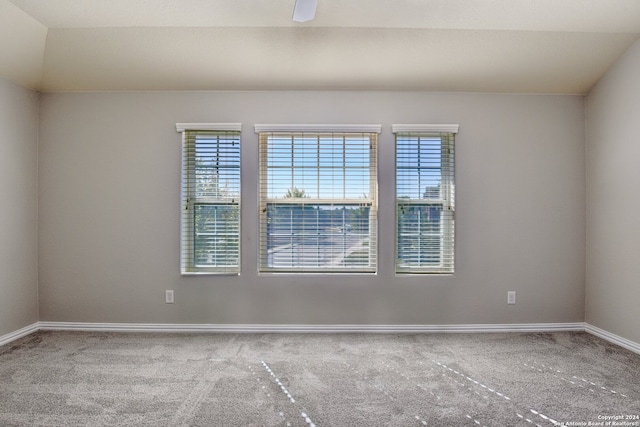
x: 425, y: 201
x: 210, y: 238
x: 318, y: 205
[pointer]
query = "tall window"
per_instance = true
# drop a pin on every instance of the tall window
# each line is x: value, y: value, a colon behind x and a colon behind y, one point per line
x: 210, y: 238
x: 425, y: 198
x: 318, y: 194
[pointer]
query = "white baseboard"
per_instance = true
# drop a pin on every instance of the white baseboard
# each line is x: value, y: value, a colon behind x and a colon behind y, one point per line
x: 239, y: 328
x: 612, y: 338
x: 12, y: 336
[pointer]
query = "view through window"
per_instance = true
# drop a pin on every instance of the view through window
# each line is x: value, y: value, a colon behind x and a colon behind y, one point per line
x: 318, y: 205
x: 211, y: 201
x: 424, y: 201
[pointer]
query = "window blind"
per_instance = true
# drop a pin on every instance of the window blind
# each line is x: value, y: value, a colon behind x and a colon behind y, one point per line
x: 425, y: 198
x: 318, y: 201
x: 210, y: 236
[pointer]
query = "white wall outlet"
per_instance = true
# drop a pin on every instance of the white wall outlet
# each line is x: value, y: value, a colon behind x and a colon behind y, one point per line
x: 511, y: 297
x: 168, y: 296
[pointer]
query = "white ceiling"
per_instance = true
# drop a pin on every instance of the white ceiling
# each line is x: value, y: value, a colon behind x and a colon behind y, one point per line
x: 516, y: 46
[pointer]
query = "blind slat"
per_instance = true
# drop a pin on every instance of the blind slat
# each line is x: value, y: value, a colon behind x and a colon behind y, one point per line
x: 425, y: 193
x: 210, y: 240
x: 318, y: 204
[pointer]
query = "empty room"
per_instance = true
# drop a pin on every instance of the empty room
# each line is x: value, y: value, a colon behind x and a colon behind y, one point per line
x: 319, y: 213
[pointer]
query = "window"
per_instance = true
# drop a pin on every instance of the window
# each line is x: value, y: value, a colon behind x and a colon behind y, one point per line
x: 210, y: 237
x: 318, y: 194
x: 425, y: 198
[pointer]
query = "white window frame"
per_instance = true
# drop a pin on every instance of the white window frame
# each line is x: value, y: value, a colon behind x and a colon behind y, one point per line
x: 189, y: 198
x: 446, y: 199
x: 265, y: 131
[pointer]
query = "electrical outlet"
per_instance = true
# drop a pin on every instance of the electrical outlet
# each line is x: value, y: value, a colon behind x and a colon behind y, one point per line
x: 168, y: 296
x: 511, y: 297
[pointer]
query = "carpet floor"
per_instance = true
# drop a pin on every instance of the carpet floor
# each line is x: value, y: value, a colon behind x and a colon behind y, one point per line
x: 148, y: 379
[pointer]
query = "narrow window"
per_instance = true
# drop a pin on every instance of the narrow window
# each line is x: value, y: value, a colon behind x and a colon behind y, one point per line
x: 318, y: 200
x: 425, y: 198
x: 210, y: 237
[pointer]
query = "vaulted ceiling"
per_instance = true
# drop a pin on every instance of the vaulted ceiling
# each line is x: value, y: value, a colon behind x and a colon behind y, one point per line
x: 514, y: 46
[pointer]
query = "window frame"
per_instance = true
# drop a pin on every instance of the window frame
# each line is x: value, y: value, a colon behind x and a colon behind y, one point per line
x: 446, y: 199
x: 317, y: 131
x: 190, y: 200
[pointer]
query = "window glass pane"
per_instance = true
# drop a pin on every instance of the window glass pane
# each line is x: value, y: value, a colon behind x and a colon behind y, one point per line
x: 305, y: 151
x: 216, y: 235
x: 217, y: 167
x: 330, y: 155
x: 280, y: 153
x: 279, y: 181
x: 314, y: 235
x: 419, y: 235
x: 359, y: 183
x: 332, y: 183
x: 305, y: 180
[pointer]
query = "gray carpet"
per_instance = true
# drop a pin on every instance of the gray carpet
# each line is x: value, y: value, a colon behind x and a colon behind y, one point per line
x: 120, y: 379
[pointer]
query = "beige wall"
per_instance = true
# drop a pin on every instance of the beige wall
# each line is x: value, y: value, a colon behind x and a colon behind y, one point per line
x: 613, y: 199
x: 19, y: 207
x: 109, y: 221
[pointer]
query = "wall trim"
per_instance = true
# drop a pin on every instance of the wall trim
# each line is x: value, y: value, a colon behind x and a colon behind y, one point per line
x: 240, y: 328
x: 23, y: 332
x: 612, y: 338
x: 229, y: 127
x: 396, y: 128
x: 319, y: 128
